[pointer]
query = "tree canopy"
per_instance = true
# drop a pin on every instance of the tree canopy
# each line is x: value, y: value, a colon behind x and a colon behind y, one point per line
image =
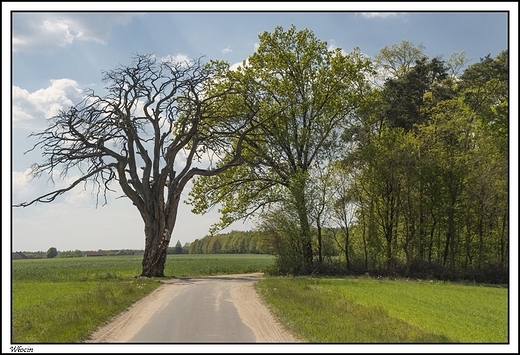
x: 309, y: 94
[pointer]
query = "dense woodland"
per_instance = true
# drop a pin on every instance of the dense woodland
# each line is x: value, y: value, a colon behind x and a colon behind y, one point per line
x: 410, y: 178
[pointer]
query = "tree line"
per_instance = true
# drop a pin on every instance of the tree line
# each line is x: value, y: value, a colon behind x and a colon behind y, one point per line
x: 234, y: 242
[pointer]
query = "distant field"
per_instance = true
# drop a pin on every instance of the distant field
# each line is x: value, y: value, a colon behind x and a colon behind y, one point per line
x: 63, y: 300
x: 216, y: 264
x: 110, y: 267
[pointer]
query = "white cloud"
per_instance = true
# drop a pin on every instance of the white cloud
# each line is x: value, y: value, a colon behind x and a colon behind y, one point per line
x: 25, y: 188
x: 176, y: 59
x: 227, y: 50
x: 31, y: 109
x: 332, y: 47
x: 21, y: 187
x: 45, y: 32
x: 239, y: 64
x: 43, y: 36
x: 380, y: 14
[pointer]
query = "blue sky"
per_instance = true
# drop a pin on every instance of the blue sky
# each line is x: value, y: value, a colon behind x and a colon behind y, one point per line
x: 57, y: 55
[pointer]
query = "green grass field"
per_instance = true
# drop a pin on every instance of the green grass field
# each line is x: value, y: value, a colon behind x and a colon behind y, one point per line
x: 65, y: 300
x: 385, y: 311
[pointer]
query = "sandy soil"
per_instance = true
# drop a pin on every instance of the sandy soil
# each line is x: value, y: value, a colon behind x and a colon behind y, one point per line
x: 252, y: 310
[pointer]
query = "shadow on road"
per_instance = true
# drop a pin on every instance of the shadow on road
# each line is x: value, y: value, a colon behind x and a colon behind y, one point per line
x: 225, y: 278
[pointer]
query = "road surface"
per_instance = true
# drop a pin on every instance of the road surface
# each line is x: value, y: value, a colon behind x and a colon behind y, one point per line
x: 213, y: 309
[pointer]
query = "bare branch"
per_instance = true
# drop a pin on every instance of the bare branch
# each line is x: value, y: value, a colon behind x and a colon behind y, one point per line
x: 51, y: 196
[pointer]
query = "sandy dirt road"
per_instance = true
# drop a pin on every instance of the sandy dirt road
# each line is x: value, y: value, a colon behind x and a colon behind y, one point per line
x: 196, y: 310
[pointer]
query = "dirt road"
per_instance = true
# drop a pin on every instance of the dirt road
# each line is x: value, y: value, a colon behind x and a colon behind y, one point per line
x: 207, y: 309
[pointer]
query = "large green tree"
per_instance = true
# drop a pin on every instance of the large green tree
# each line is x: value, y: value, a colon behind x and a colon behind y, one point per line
x: 310, y: 93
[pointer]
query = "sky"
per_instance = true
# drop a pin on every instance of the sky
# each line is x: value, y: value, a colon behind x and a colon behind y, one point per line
x: 55, y: 55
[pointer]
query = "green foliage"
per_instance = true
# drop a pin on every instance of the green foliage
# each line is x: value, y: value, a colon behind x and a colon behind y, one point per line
x: 430, y: 179
x: 281, y: 231
x: 384, y: 311
x: 52, y: 252
x: 177, y: 249
x: 404, y: 96
x: 234, y: 242
x: 485, y: 89
x: 395, y: 61
x: 303, y: 96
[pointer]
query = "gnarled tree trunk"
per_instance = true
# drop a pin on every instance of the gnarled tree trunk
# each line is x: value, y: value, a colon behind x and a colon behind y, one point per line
x: 156, y: 246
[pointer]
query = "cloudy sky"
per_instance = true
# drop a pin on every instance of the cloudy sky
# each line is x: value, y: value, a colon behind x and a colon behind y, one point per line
x: 55, y: 55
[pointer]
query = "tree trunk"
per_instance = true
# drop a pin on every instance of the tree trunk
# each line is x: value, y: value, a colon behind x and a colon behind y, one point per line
x: 432, y: 237
x: 480, y: 228
x: 388, y: 233
x: 422, y: 229
x: 320, y: 256
x: 364, y: 237
x: 158, y: 229
x: 347, y: 246
x: 300, y: 202
x: 504, y: 248
x: 307, y: 254
x: 156, y: 246
x: 450, y: 235
x: 159, y: 222
x: 365, y: 247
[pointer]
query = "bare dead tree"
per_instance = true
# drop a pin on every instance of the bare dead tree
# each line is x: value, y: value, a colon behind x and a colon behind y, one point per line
x: 154, y: 112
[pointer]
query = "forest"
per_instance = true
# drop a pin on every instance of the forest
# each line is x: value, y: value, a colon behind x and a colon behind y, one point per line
x: 393, y: 165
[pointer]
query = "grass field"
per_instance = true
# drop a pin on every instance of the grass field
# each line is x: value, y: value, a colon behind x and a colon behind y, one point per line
x: 65, y: 300
x: 387, y: 311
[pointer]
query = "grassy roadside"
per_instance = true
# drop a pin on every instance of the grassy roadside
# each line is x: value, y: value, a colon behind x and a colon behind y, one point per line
x: 67, y: 312
x: 384, y: 311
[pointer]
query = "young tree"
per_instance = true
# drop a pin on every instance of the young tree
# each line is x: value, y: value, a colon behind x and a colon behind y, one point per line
x: 52, y: 252
x: 178, y: 248
x: 343, y: 200
x: 157, y: 128
x: 395, y: 61
x: 310, y: 93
